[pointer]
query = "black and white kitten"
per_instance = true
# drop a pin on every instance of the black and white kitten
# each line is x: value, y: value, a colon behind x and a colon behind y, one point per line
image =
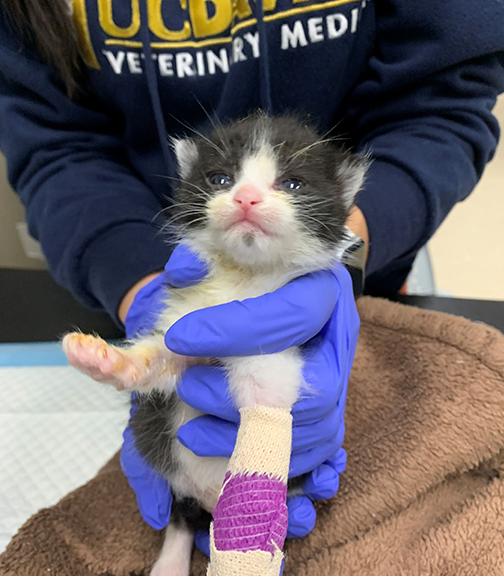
x: 262, y: 201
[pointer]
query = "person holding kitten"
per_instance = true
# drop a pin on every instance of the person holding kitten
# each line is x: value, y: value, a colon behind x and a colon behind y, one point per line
x: 90, y: 89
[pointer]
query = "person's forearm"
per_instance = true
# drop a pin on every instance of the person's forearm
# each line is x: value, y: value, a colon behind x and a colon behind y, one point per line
x: 126, y: 302
x: 95, y: 217
x: 428, y: 145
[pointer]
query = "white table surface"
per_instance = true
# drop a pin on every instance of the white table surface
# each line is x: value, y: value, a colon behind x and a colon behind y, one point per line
x: 57, y: 429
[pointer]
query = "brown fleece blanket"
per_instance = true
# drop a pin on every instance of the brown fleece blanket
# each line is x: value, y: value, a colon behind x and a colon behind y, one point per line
x: 423, y: 493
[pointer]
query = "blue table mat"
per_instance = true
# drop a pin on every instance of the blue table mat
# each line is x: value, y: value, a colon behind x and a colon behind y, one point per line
x: 32, y: 354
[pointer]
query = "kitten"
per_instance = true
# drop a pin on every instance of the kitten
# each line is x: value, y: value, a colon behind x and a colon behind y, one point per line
x: 262, y: 201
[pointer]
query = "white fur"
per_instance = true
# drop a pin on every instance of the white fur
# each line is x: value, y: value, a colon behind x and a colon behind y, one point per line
x: 175, y: 556
x: 259, y: 167
x: 272, y: 380
x: 352, y: 172
x: 277, y: 229
x: 186, y: 152
x: 197, y: 477
x: 237, y: 271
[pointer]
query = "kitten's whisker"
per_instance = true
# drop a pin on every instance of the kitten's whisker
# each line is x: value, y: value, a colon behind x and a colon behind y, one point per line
x: 182, y: 226
x: 185, y: 204
x: 310, y: 210
x: 168, y: 177
x: 331, y: 129
x: 217, y: 128
x: 204, y: 193
x: 317, y: 213
x: 310, y: 201
x: 200, y: 204
x: 317, y: 221
x: 185, y: 214
x: 207, y: 140
x: 181, y: 214
x: 182, y: 181
x: 176, y: 207
x: 309, y: 147
x: 205, y: 111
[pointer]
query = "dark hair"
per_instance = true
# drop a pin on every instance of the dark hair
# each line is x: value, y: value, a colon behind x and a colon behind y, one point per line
x: 48, y: 26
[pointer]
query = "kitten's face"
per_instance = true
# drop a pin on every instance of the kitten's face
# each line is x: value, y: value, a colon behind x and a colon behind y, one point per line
x: 265, y: 191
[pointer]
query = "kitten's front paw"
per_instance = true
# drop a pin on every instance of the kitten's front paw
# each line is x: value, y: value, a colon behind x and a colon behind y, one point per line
x: 103, y: 362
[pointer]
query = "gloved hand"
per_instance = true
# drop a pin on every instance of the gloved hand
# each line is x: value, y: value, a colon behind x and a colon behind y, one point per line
x: 319, y: 307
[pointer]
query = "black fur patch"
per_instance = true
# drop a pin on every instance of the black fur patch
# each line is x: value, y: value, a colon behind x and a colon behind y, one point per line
x: 154, y: 429
x: 189, y: 511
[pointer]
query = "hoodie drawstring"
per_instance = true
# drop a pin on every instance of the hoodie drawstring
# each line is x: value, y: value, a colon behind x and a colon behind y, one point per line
x: 264, y: 71
x: 152, y: 81
x: 152, y: 84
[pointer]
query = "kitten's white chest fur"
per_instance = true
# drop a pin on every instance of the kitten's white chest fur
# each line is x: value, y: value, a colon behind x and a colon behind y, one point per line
x: 224, y: 284
x: 247, y: 375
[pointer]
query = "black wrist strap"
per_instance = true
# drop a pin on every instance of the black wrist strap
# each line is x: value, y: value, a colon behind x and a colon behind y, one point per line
x: 353, y: 257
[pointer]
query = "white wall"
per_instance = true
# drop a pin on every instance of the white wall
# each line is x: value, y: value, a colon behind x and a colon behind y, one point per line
x: 467, y: 251
x: 12, y: 252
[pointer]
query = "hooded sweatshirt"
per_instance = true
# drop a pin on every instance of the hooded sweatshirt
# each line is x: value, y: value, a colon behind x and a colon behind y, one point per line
x: 411, y: 83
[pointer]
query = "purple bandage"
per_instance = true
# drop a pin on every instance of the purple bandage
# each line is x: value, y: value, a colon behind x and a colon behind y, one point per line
x: 251, y: 514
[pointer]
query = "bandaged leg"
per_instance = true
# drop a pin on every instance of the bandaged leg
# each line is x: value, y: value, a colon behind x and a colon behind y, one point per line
x: 250, y: 520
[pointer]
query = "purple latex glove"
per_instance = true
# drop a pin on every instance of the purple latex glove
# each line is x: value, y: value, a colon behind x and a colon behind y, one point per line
x: 317, y: 309
x: 318, y: 429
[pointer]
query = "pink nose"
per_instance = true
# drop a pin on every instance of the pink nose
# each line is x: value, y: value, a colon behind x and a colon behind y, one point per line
x: 248, y: 196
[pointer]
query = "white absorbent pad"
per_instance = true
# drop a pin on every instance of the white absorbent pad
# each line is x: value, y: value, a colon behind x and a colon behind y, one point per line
x: 57, y: 429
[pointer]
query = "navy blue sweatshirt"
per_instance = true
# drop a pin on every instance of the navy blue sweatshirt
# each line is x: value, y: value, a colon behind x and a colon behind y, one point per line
x: 413, y: 82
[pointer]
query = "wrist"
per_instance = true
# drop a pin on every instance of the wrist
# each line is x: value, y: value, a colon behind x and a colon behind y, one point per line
x: 358, y: 225
x: 354, y: 249
x: 128, y: 298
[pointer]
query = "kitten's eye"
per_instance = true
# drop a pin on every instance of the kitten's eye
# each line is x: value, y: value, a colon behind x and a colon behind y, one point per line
x: 219, y: 179
x: 292, y: 184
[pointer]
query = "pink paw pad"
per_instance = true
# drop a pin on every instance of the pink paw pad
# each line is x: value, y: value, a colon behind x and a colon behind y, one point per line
x: 102, y: 362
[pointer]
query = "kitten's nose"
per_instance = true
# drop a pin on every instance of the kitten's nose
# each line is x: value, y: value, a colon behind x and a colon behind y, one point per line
x: 248, y: 196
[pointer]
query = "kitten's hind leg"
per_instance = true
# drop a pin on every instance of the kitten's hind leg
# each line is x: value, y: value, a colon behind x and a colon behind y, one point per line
x: 146, y: 365
x: 175, y: 556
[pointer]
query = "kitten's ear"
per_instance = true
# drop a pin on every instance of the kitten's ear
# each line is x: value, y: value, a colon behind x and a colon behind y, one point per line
x: 186, y: 152
x: 351, y: 171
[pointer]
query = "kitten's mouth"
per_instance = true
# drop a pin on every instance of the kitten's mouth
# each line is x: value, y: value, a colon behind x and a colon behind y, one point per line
x: 247, y: 227
x: 251, y: 225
